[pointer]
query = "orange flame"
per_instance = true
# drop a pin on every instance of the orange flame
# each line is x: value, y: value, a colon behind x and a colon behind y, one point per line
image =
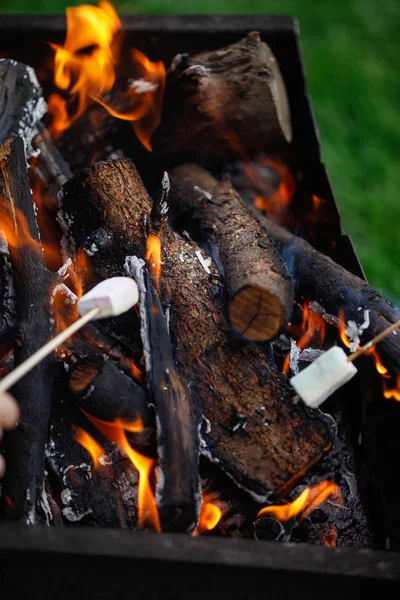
x: 90, y: 444
x: 153, y: 257
x: 304, y: 504
x: 392, y: 393
x: 115, y: 432
x: 313, y: 326
x: 85, y: 67
x: 281, y: 199
x: 372, y: 352
x: 210, y: 515
x: 329, y: 537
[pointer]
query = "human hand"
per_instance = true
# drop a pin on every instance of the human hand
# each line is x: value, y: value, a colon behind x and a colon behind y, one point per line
x: 9, y: 414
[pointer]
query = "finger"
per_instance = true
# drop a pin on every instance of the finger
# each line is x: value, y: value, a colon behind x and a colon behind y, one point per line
x: 9, y: 411
x: 2, y: 466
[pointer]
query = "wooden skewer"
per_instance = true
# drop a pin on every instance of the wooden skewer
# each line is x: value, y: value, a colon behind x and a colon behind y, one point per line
x: 40, y: 354
x: 374, y: 341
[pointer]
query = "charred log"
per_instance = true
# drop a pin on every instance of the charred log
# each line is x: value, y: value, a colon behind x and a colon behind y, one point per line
x: 261, y: 294
x: 21, y: 102
x: 221, y: 103
x: 257, y: 434
x: 25, y: 446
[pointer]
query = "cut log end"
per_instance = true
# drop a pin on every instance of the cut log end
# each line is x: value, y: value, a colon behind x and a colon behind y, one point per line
x: 256, y: 314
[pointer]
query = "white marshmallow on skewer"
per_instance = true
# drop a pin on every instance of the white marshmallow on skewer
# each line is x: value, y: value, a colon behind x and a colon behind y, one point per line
x: 112, y: 296
x: 323, y: 377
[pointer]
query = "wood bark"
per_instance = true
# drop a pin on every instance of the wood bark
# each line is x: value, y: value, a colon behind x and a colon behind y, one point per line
x: 24, y: 447
x: 225, y: 103
x: 21, y: 102
x: 260, y: 288
x: 319, y: 278
x: 252, y: 428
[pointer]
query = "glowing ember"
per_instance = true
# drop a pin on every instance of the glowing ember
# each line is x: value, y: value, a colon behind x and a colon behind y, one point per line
x: 115, y: 432
x: 153, y: 257
x: 281, y: 199
x: 329, y: 537
x: 210, y: 516
x: 392, y: 393
x: 90, y: 444
x: 308, y: 501
x: 313, y: 326
x: 85, y: 67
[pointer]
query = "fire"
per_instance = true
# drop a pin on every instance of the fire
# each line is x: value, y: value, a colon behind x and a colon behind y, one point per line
x: 392, y: 393
x: 85, y: 67
x: 312, y: 326
x: 372, y: 352
x: 16, y: 230
x: 329, y: 537
x: 90, y: 444
x: 281, y: 199
x: 309, y: 500
x: 210, y: 515
x: 153, y: 257
x: 115, y: 432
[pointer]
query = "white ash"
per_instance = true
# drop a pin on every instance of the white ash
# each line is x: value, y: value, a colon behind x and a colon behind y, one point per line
x: 204, y: 193
x: 105, y: 460
x: 134, y: 268
x: 197, y: 71
x: 66, y: 496
x: 142, y: 86
x: 294, y: 356
x: 175, y: 62
x: 354, y: 331
x: 31, y: 518
x: 82, y: 467
x: 89, y: 392
x: 72, y: 516
x: 160, y: 478
x: 205, y: 263
x: 208, y: 424
x: 61, y: 288
x: 45, y: 506
x: 63, y: 270
x: 310, y: 354
x: 92, y: 250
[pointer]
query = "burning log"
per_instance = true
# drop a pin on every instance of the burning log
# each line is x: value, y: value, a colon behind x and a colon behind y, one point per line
x: 21, y: 102
x: 318, y: 277
x: 259, y: 285
x: 256, y: 433
x: 222, y: 102
x: 25, y: 446
x: 124, y: 232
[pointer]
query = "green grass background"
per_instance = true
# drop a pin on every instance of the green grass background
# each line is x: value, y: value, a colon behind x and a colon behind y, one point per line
x: 352, y: 56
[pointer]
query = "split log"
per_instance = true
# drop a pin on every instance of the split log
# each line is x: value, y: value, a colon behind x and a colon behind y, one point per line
x: 21, y: 101
x: 225, y: 103
x: 24, y: 447
x: 50, y: 158
x: 107, y: 186
x: 261, y: 292
x: 261, y: 438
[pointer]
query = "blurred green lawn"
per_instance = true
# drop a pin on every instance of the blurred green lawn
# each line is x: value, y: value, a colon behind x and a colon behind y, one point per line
x: 352, y: 53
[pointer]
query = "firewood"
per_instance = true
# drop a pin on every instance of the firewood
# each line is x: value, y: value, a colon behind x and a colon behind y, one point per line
x: 54, y: 166
x: 21, y: 102
x: 319, y: 278
x: 261, y: 291
x: 252, y: 428
x: 224, y: 102
x: 24, y: 447
x: 109, y: 186
x: 104, y: 494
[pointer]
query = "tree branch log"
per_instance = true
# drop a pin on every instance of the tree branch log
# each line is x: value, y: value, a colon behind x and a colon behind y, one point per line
x: 261, y: 293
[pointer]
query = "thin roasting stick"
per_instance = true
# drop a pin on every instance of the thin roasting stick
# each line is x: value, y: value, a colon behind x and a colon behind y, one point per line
x: 374, y: 341
x: 24, y: 368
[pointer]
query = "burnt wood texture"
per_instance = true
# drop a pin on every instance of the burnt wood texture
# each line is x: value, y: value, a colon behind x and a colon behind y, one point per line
x: 225, y: 102
x: 260, y: 288
x: 25, y: 447
x: 263, y: 440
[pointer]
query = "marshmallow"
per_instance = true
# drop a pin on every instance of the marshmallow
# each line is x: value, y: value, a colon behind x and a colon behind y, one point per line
x: 323, y: 377
x: 113, y: 296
